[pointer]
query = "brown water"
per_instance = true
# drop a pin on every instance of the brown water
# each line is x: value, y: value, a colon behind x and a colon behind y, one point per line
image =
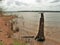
x: 28, y: 24
x: 31, y: 29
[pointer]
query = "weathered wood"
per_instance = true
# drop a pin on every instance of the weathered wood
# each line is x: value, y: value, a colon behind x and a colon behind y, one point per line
x: 40, y: 35
x: 28, y: 37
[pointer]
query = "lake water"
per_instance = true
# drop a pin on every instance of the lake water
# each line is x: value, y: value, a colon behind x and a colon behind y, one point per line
x: 51, y: 18
x: 28, y: 23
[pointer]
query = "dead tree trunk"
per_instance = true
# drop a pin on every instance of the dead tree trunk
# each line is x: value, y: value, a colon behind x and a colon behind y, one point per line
x: 40, y: 35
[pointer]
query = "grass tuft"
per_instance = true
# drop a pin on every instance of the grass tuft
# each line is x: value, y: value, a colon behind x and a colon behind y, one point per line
x: 1, y: 43
x: 18, y: 43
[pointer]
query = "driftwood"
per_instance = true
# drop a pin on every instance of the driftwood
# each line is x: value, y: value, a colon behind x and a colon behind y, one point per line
x: 40, y: 35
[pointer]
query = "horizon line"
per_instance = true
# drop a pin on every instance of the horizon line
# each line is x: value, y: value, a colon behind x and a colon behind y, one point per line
x: 31, y: 11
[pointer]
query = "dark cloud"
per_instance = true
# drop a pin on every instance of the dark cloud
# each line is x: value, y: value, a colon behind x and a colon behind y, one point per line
x: 38, y: 0
x: 55, y: 1
x: 0, y: 0
x: 20, y: 3
x: 9, y: 2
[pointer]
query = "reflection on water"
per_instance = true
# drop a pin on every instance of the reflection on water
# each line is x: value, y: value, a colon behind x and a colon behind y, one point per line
x: 52, y: 19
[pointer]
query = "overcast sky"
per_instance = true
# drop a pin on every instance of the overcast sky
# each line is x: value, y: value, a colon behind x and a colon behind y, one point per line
x: 18, y: 5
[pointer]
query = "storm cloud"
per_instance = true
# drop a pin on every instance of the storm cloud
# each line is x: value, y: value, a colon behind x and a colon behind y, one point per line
x: 18, y: 5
